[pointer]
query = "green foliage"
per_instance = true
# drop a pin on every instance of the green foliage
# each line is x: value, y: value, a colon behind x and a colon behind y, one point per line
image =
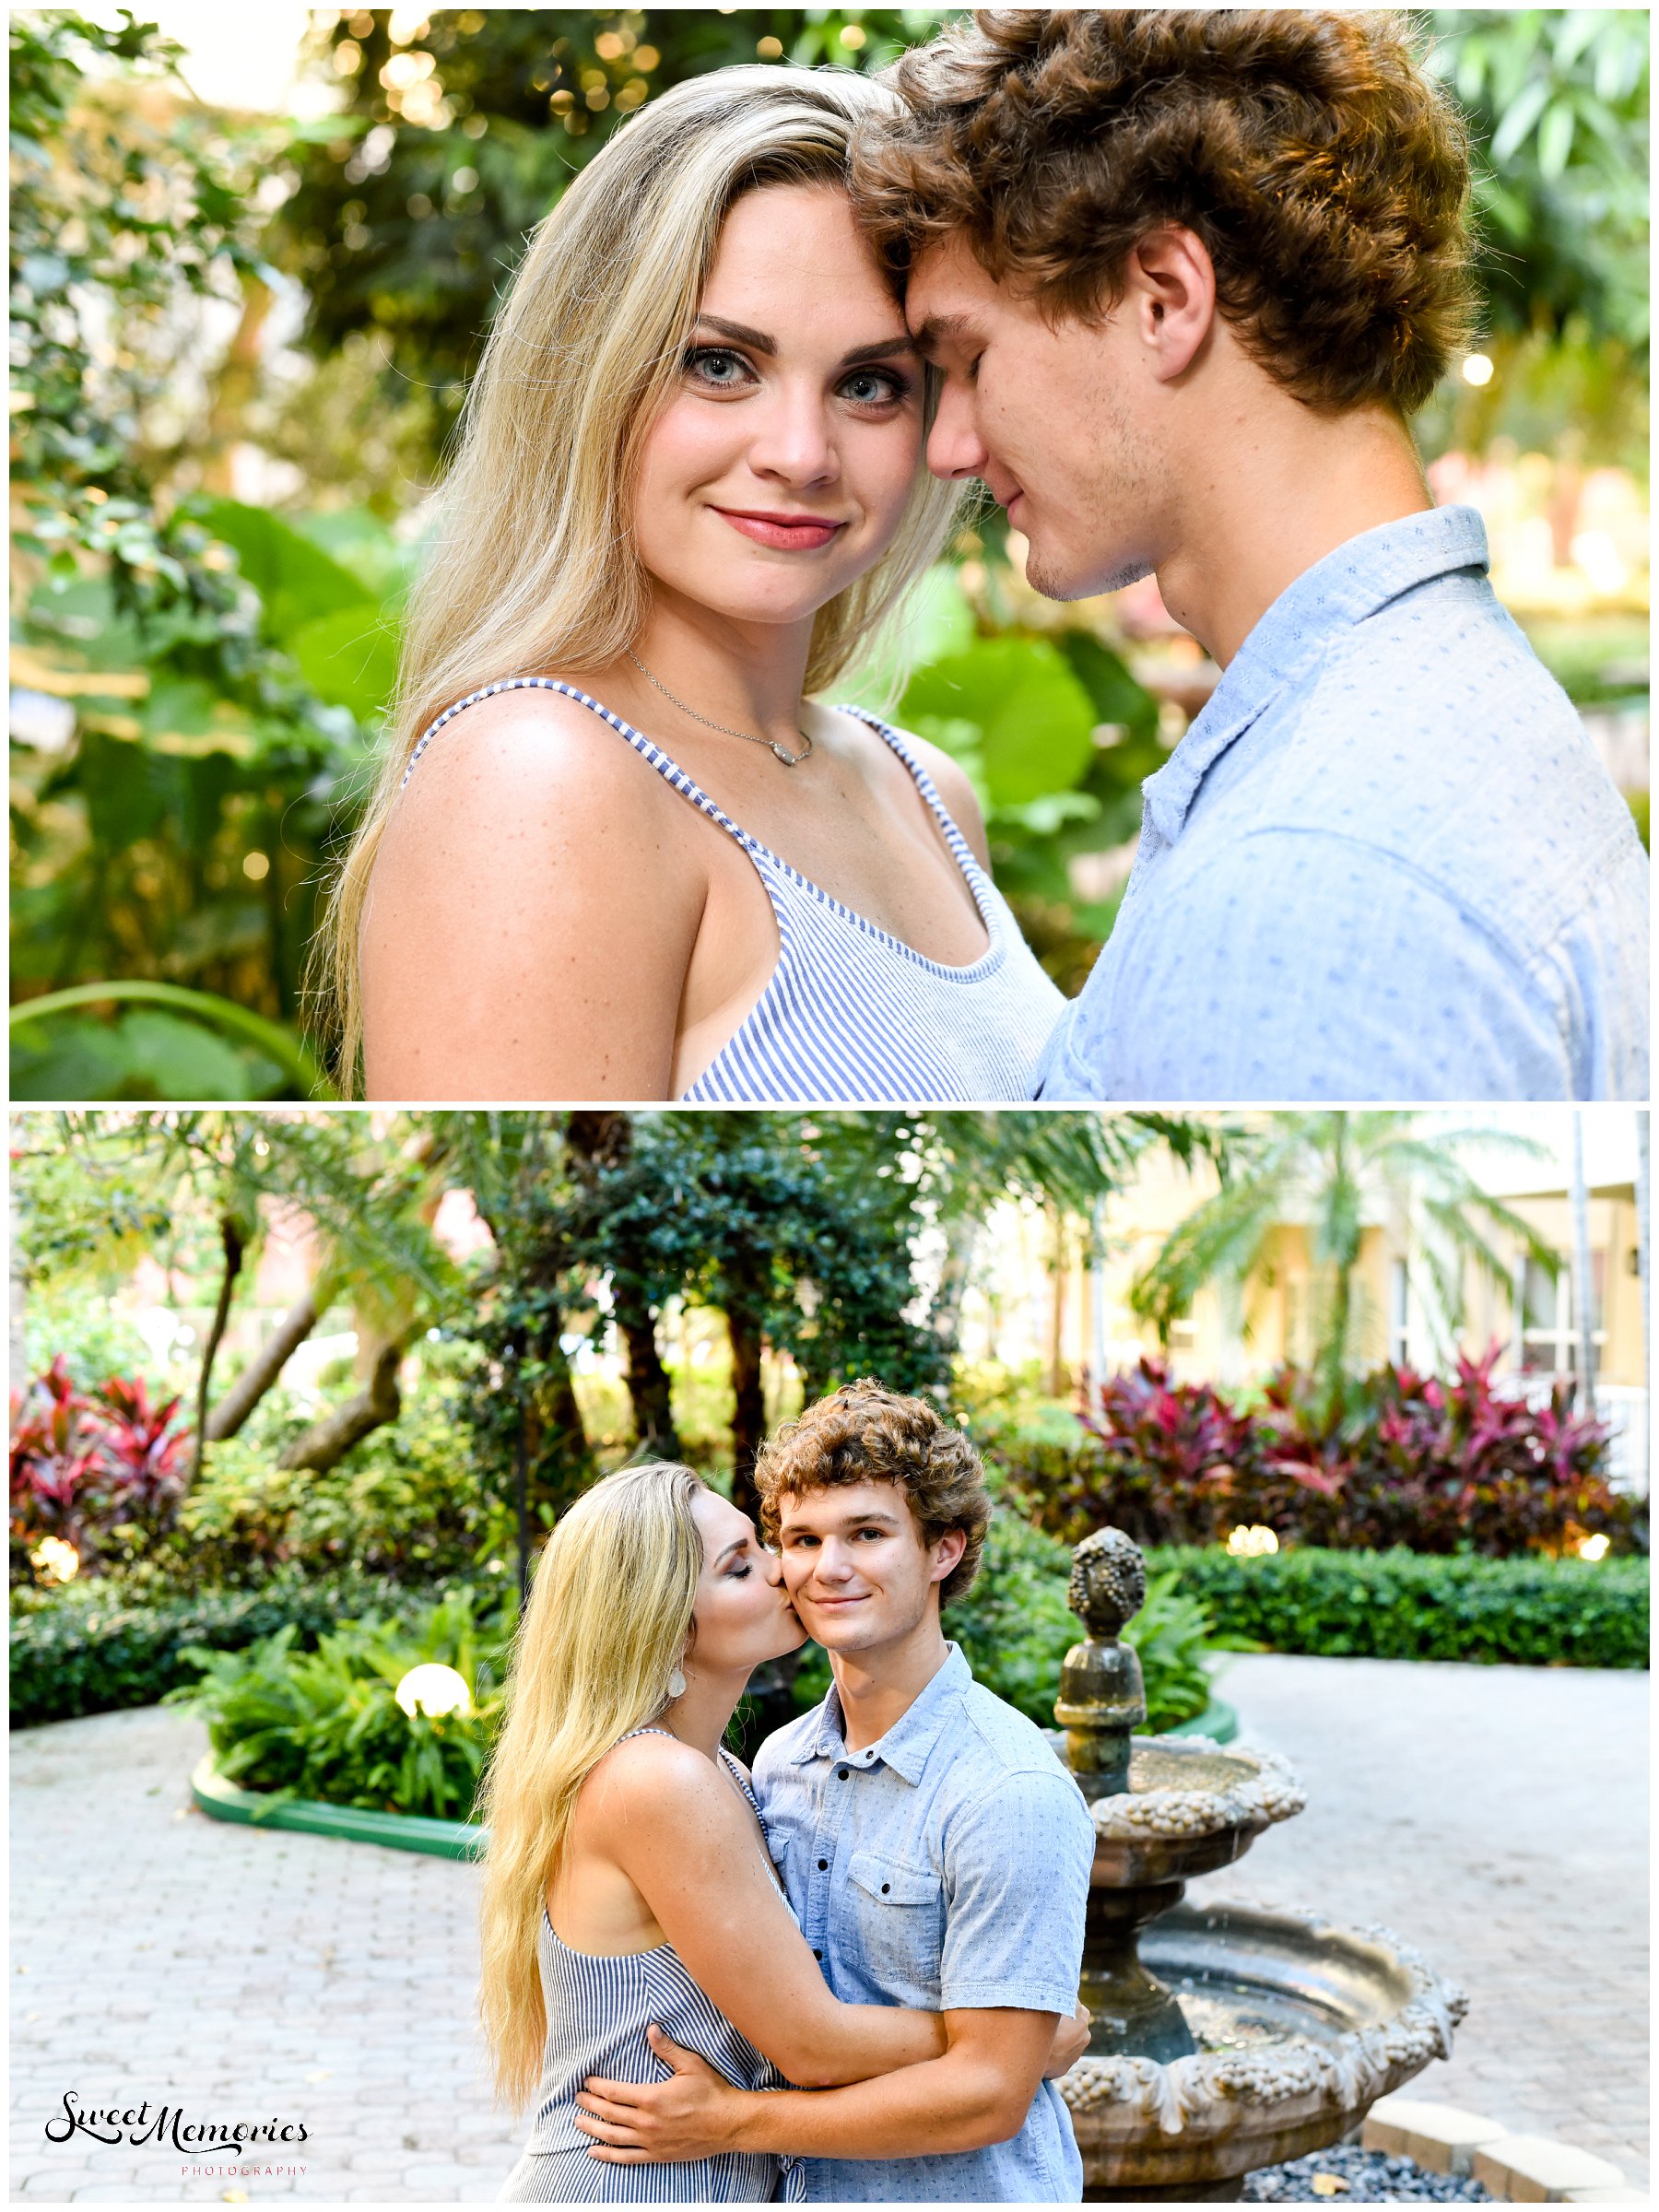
x: 407, y: 1503
x: 176, y: 837
x: 103, y: 1645
x: 1558, y: 102
x: 1400, y: 1604
x: 327, y: 1724
x: 1015, y: 1630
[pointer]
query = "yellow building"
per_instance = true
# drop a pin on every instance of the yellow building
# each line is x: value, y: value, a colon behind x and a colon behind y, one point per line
x: 1075, y: 1316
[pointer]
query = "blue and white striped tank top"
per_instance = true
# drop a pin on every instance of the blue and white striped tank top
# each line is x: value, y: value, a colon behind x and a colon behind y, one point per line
x: 598, y: 2010
x: 852, y: 1015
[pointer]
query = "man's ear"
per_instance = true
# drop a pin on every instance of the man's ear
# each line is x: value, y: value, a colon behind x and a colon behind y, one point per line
x: 947, y: 1552
x: 1170, y: 291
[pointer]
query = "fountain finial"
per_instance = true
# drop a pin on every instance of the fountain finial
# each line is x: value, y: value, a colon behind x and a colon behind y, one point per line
x: 1108, y: 1584
x: 1101, y: 1699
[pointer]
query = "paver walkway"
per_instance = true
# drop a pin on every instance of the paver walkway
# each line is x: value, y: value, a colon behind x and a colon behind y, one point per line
x: 1496, y: 1817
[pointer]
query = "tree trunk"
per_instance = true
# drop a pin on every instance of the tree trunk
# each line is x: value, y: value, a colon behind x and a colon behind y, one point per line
x: 748, y: 1415
x: 235, y: 1246
x: 327, y: 1440
x: 262, y: 1370
x: 648, y: 1386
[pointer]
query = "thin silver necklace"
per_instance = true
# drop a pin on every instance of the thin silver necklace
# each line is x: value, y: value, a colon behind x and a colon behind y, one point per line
x: 788, y: 759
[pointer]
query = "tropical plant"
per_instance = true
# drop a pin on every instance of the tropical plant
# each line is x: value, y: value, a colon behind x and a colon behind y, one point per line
x: 1434, y: 1465
x: 1334, y: 1173
x: 102, y: 1471
x: 327, y: 1724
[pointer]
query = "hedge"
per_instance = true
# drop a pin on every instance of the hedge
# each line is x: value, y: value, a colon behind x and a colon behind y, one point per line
x: 1404, y: 1604
x: 94, y: 1647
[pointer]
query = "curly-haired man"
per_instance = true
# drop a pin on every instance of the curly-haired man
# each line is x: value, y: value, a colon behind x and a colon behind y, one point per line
x: 1186, y: 273
x: 934, y: 1851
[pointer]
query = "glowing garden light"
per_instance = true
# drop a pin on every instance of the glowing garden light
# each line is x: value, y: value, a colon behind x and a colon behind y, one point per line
x: 1253, y: 1543
x: 1592, y: 1548
x: 54, y: 1561
x: 434, y: 1690
x: 1478, y: 369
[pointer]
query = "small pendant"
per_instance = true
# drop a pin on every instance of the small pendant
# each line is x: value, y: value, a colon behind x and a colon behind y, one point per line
x: 789, y: 759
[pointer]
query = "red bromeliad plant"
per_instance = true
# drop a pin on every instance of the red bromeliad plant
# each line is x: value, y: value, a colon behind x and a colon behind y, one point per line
x: 1435, y: 1464
x: 83, y: 1465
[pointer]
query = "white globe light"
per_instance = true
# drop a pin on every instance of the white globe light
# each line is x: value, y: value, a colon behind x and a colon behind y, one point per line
x: 1478, y: 369
x: 433, y: 1689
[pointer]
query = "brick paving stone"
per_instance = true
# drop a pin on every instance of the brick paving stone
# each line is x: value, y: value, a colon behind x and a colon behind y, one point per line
x: 1496, y: 1819
x: 1453, y: 1804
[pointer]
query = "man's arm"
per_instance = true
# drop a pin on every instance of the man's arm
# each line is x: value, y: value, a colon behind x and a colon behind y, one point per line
x: 976, y: 2094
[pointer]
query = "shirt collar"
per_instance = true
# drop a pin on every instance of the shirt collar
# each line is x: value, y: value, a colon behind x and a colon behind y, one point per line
x: 1344, y: 588
x: 907, y: 1743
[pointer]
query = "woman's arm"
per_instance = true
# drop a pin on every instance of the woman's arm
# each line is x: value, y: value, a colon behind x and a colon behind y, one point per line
x: 684, y: 1838
x: 531, y: 915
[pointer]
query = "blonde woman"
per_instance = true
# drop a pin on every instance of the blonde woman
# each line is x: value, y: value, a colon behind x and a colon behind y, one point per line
x: 628, y: 1896
x: 620, y: 847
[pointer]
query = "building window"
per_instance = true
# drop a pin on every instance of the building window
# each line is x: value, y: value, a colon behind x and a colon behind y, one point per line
x: 1549, y: 1330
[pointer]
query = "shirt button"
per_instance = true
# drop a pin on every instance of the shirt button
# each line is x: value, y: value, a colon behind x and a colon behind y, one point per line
x: 884, y: 1888
x: 840, y: 1773
x: 823, y: 1865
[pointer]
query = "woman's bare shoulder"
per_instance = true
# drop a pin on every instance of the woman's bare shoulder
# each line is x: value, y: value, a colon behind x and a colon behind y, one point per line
x: 530, y: 741
x: 657, y: 1774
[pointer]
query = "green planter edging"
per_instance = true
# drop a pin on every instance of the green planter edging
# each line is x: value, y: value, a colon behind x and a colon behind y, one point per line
x: 222, y: 1800
x: 1219, y: 1721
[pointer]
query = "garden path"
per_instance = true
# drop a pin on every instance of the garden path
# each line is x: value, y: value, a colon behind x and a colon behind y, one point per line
x: 1495, y: 1816
x: 1497, y: 1819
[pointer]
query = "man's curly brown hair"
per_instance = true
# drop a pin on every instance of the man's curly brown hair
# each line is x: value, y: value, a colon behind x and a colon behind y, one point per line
x: 1324, y: 170
x: 864, y: 1432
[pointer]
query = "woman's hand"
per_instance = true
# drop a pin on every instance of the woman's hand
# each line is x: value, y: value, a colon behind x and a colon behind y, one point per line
x: 1071, y: 2040
x: 694, y: 2114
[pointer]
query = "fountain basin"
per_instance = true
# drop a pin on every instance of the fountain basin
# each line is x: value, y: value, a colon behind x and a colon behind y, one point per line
x: 1301, y: 2025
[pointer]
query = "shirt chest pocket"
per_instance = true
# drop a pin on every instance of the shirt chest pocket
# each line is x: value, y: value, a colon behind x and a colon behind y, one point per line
x: 900, y: 1912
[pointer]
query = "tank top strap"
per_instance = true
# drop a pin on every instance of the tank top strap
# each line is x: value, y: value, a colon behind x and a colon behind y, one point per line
x: 734, y: 1766
x: 929, y: 790
x: 668, y: 770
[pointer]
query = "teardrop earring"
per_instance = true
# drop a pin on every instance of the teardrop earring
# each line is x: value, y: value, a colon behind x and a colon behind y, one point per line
x: 676, y: 1683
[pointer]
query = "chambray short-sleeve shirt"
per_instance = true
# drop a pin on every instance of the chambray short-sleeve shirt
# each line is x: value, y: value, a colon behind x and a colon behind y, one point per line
x: 944, y: 1867
x: 1384, y: 863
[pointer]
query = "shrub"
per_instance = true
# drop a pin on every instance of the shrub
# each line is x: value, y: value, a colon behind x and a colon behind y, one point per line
x: 105, y: 1645
x: 1404, y: 1605
x: 407, y: 1504
x: 1402, y: 1459
x: 1014, y: 1628
x: 326, y: 1723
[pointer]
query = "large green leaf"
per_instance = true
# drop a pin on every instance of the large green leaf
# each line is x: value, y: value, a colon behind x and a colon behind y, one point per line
x: 1033, y: 717
x: 296, y: 580
x: 348, y: 658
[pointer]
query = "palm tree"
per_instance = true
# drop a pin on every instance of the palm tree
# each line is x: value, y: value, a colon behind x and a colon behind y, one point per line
x: 1331, y: 1171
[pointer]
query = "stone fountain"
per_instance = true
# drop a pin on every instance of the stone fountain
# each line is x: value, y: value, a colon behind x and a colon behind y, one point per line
x: 1223, y: 2038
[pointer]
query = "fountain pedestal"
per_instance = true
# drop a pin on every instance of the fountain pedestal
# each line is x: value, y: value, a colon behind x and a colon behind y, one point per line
x: 1222, y: 2039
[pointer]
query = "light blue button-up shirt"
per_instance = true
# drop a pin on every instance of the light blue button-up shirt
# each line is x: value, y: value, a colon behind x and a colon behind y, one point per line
x: 1384, y: 863
x: 946, y: 1867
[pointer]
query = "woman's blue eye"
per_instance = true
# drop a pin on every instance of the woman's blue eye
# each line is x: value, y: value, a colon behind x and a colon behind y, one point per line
x: 712, y: 363
x: 888, y: 387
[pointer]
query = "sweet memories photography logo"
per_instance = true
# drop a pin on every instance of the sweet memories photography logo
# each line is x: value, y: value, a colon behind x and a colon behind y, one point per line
x: 170, y: 2124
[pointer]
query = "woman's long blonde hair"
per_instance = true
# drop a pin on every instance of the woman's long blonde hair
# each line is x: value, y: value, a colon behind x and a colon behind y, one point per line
x: 533, y: 567
x: 610, y: 1609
